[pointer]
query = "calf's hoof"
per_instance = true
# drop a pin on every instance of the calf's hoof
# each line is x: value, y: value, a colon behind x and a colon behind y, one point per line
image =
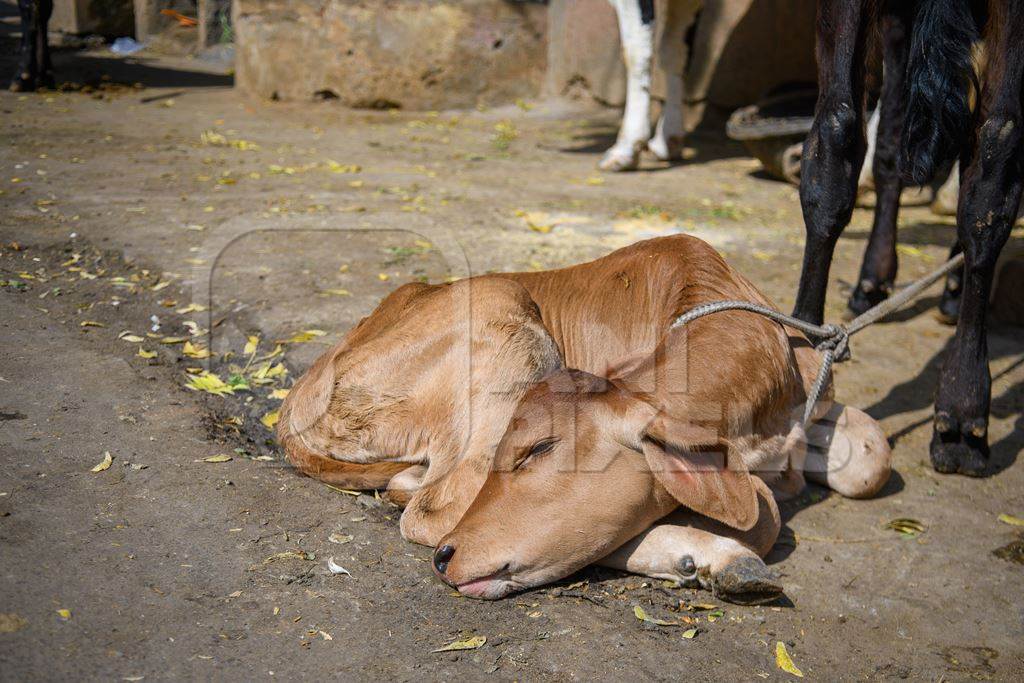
x: 617, y: 160
x: 867, y: 295
x: 746, y: 581
x: 959, y: 447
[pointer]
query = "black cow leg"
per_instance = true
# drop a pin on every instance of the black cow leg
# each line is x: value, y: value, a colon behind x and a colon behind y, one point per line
x: 989, y: 196
x: 34, y: 67
x: 878, y: 271
x: 834, y: 148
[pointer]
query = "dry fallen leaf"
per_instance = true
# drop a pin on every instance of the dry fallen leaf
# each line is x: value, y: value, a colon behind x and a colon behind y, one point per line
x: 104, y: 463
x: 270, y: 419
x: 210, y: 383
x: 340, y: 539
x: 279, y: 394
x: 468, y: 644
x: 302, y: 337
x: 195, y: 351
x: 690, y: 633
x: 640, y: 614
x: 251, y: 345
x: 784, y: 661
x: 223, y: 457
x: 193, y: 307
x: 1011, y: 520
x: 336, y: 568
x: 11, y: 622
x: 906, y: 527
x: 143, y: 353
x: 65, y: 614
x: 91, y: 323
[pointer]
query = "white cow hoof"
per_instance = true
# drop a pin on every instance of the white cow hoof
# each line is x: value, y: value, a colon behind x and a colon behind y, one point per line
x: 617, y: 160
x: 667, y: 149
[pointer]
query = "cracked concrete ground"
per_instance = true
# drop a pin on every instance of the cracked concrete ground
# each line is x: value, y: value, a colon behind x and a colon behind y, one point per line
x: 291, y: 217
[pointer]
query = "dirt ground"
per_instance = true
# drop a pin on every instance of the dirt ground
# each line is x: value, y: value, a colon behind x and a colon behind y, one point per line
x: 126, y: 212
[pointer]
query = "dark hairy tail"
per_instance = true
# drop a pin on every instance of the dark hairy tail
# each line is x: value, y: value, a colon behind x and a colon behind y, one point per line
x: 940, y: 77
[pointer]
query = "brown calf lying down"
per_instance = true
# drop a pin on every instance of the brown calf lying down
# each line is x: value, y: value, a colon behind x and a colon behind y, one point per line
x: 533, y: 423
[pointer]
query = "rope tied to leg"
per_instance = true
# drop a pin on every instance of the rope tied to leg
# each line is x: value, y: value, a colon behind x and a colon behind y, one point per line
x: 830, y: 340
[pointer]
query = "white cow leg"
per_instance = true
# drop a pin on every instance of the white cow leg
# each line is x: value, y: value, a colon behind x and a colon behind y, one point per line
x: 637, y: 46
x: 667, y: 143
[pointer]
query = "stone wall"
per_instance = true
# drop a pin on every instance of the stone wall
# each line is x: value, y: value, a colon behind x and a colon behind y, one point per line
x: 427, y: 54
x: 416, y: 54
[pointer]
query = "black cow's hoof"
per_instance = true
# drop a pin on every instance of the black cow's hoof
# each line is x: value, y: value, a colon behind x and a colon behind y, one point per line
x: 746, y: 581
x: 958, y: 448
x: 867, y: 295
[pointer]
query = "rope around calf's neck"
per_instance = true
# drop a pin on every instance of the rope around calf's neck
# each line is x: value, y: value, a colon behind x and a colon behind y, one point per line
x: 832, y: 341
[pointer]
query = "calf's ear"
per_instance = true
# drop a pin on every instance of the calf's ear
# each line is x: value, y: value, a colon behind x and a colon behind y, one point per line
x: 694, y: 465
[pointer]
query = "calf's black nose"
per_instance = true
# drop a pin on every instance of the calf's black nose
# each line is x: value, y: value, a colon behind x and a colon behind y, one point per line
x: 441, y: 558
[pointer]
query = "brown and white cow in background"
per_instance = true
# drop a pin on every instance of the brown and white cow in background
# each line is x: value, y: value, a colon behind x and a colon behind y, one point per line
x: 638, y: 30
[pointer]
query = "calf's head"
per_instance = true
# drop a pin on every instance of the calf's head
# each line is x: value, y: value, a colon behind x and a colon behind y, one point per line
x: 583, y: 467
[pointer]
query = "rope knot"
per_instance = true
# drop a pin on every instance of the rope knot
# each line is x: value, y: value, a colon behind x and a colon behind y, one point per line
x: 834, y: 338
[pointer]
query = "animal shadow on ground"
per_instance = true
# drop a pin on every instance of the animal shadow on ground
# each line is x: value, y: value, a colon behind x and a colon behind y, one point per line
x: 918, y: 392
x: 708, y: 145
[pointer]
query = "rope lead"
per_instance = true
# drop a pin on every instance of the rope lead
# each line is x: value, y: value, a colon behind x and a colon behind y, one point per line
x: 832, y: 341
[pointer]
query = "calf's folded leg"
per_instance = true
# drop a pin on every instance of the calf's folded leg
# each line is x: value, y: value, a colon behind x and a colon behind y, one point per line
x: 698, y: 551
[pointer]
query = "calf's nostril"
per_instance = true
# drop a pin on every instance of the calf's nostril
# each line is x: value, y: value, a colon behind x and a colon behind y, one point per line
x: 441, y: 558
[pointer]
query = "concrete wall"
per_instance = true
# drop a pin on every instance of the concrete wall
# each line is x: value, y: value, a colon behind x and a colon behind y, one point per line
x: 417, y: 54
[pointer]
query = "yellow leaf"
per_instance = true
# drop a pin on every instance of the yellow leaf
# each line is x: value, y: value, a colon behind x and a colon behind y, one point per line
x: 104, y: 463
x: 906, y: 527
x: 193, y: 307
x: 690, y: 633
x: 270, y: 419
x: 209, y: 382
x: 279, y: 394
x: 1011, y: 520
x: 251, y: 345
x: 784, y: 662
x: 383, y: 277
x: 91, y: 323
x: 594, y: 180
x: 326, y: 636
x: 194, y: 351
x: 909, y: 250
x: 335, y: 167
x: 640, y: 614
x: 336, y: 292
x: 537, y: 227
x: 304, y: 336
x: 131, y: 338
x: 143, y: 353
x: 223, y: 457
x: 467, y: 644
x: 64, y: 614
x: 173, y: 340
